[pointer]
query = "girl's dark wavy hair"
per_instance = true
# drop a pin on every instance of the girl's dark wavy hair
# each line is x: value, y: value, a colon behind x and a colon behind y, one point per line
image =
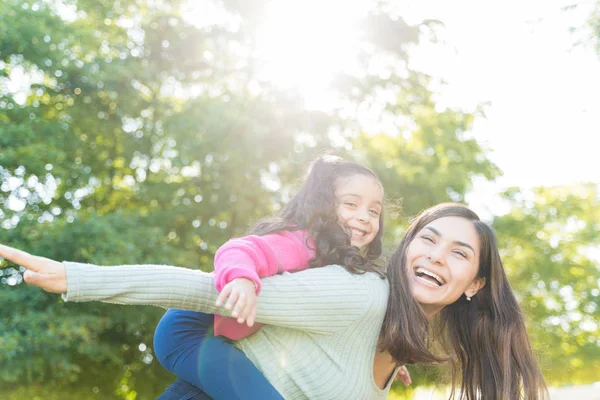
x: 313, y: 208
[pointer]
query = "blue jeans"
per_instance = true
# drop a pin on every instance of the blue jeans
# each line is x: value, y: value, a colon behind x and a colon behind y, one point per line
x: 211, y: 364
x: 181, y: 390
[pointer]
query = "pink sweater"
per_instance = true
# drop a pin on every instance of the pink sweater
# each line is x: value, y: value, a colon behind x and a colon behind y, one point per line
x: 255, y: 257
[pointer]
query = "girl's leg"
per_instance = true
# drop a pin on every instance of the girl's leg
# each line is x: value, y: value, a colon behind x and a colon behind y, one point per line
x: 212, y: 364
x: 181, y: 390
x: 178, y: 337
x: 226, y: 373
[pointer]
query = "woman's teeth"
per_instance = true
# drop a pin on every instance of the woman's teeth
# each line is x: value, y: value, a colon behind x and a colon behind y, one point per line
x: 422, y: 272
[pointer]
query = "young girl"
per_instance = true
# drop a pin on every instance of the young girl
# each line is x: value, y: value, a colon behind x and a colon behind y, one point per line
x: 335, y: 218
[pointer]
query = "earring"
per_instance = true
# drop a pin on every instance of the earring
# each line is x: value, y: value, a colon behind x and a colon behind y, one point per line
x: 468, y: 298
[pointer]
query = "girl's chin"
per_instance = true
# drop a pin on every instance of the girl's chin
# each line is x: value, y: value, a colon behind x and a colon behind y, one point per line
x: 358, y: 243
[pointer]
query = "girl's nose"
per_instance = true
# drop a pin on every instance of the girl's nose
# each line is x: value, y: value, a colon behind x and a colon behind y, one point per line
x: 362, y: 215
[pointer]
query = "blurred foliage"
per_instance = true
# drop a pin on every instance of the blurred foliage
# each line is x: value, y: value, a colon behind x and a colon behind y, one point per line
x: 587, y: 33
x: 143, y: 138
x: 594, y: 24
x: 551, y: 252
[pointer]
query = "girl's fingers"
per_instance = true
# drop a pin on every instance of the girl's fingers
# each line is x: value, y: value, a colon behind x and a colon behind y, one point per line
x: 251, y: 316
x: 404, y: 376
x: 233, y: 298
x: 223, y: 295
x: 239, y: 305
x: 243, y: 316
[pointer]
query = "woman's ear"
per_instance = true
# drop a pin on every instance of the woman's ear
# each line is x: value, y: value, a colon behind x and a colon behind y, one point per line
x: 475, y: 287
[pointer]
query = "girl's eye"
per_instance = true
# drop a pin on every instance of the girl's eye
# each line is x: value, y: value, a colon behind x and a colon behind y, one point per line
x: 349, y: 204
x: 374, y: 212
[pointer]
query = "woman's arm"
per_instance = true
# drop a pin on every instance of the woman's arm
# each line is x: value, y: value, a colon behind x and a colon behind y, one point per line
x: 321, y: 300
x: 155, y: 285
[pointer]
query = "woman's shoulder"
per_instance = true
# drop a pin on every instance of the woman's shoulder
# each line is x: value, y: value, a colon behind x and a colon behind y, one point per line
x: 341, y: 272
x: 369, y: 289
x: 337, y: 276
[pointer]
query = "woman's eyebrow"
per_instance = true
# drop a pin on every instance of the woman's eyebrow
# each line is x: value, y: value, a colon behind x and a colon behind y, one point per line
x: 458, y: 242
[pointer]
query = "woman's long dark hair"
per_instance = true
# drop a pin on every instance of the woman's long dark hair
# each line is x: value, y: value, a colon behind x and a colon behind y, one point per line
x: 313, y: 208
x: 485, y: 338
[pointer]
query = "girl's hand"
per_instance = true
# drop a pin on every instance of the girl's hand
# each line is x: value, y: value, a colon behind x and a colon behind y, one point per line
x: 403, y: 375
x: 240, y: 294
x: 43, y: 272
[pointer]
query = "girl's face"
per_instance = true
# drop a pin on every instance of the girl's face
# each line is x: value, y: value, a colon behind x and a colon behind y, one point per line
x: 443, y: 262
x: 359, y: 205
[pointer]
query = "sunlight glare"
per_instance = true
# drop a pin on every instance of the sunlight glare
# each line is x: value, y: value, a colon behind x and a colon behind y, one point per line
x: 303, y: 45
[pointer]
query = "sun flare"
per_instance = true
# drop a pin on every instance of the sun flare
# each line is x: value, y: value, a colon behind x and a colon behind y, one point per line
x: 304, y: 45
x: 298, y: 45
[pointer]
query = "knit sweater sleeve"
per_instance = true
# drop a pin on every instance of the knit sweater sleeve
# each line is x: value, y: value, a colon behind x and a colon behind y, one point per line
x: 319, y: 300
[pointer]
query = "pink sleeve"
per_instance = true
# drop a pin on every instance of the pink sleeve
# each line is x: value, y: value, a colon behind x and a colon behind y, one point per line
x: 255, y: 257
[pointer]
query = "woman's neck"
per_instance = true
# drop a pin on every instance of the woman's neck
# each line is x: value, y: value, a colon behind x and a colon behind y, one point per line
x: 430, y: 310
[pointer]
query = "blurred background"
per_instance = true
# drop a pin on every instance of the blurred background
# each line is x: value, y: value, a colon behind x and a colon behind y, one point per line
x: 151, y: 131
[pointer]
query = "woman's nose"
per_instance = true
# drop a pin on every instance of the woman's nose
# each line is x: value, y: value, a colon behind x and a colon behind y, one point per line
x: 436, y: 255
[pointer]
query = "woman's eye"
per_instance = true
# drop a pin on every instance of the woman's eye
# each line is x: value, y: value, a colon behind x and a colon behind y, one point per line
x: 427, y: 238
x: 350, y: 204
x: 461, y: 254
x: 374, y: 212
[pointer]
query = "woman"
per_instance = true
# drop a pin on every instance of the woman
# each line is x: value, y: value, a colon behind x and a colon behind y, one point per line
x: 342, y: 335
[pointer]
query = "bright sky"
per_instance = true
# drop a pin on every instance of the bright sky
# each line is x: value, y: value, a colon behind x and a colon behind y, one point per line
x: 544, y: 91
x: 520, y: 57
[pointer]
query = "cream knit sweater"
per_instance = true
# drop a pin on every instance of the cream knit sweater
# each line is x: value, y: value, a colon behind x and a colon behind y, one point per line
x: 322, y: 324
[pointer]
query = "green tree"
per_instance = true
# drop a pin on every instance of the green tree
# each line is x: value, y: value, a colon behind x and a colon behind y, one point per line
x: 550, y: 247
x: 145, y: 138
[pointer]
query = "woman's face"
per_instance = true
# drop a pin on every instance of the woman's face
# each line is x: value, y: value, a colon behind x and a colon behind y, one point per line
x: 442, y: 262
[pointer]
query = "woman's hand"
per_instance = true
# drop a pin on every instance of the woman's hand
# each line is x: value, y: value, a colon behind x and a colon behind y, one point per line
x: 43, y: 272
